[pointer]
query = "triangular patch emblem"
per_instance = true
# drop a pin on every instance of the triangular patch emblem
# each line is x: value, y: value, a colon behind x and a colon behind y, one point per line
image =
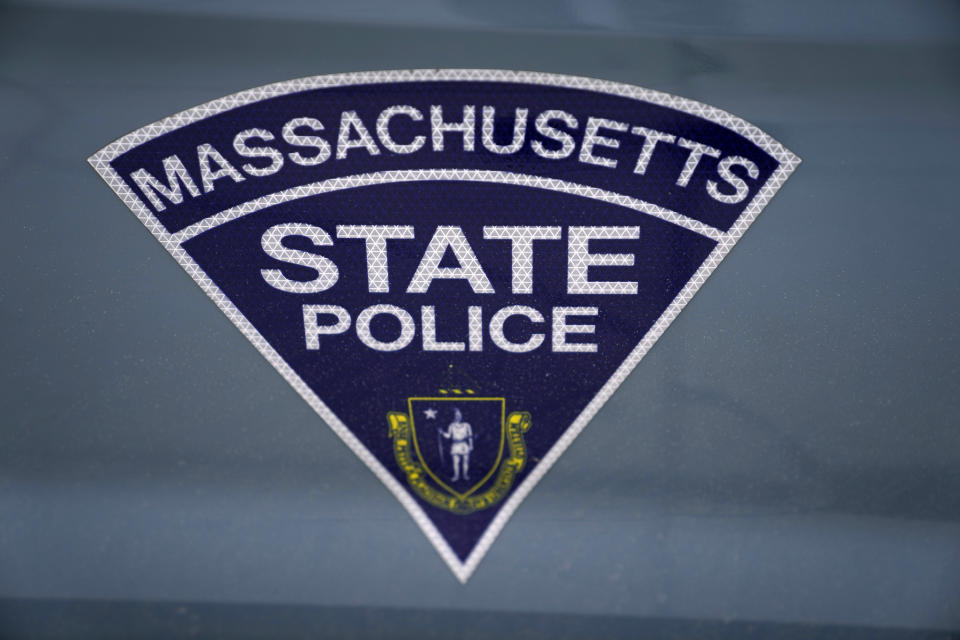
x: 454, y: 268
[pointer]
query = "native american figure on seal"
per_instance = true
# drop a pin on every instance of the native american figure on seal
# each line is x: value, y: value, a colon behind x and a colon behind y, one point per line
x: 460, y: 435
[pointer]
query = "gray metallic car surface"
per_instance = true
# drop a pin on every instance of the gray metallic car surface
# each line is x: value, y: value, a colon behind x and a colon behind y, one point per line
x: 784, y: 463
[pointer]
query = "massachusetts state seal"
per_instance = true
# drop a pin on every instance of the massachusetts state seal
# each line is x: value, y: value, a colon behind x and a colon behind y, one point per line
x: 459, y: 451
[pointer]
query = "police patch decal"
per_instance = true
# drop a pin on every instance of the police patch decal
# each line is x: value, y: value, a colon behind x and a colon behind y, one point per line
x: 454, y: 268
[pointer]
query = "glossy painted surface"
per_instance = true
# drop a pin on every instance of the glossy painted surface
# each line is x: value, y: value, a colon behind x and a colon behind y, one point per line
x: 787, y: 453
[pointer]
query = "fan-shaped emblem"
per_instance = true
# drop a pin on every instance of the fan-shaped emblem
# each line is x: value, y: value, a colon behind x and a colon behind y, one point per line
x: 455, y: 268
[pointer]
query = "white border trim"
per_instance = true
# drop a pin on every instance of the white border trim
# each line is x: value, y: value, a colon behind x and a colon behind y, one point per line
x: 462, y: 570
x: 455, y: 175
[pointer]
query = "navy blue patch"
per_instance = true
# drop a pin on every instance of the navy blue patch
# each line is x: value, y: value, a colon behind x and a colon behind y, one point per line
x: 455, y: 268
